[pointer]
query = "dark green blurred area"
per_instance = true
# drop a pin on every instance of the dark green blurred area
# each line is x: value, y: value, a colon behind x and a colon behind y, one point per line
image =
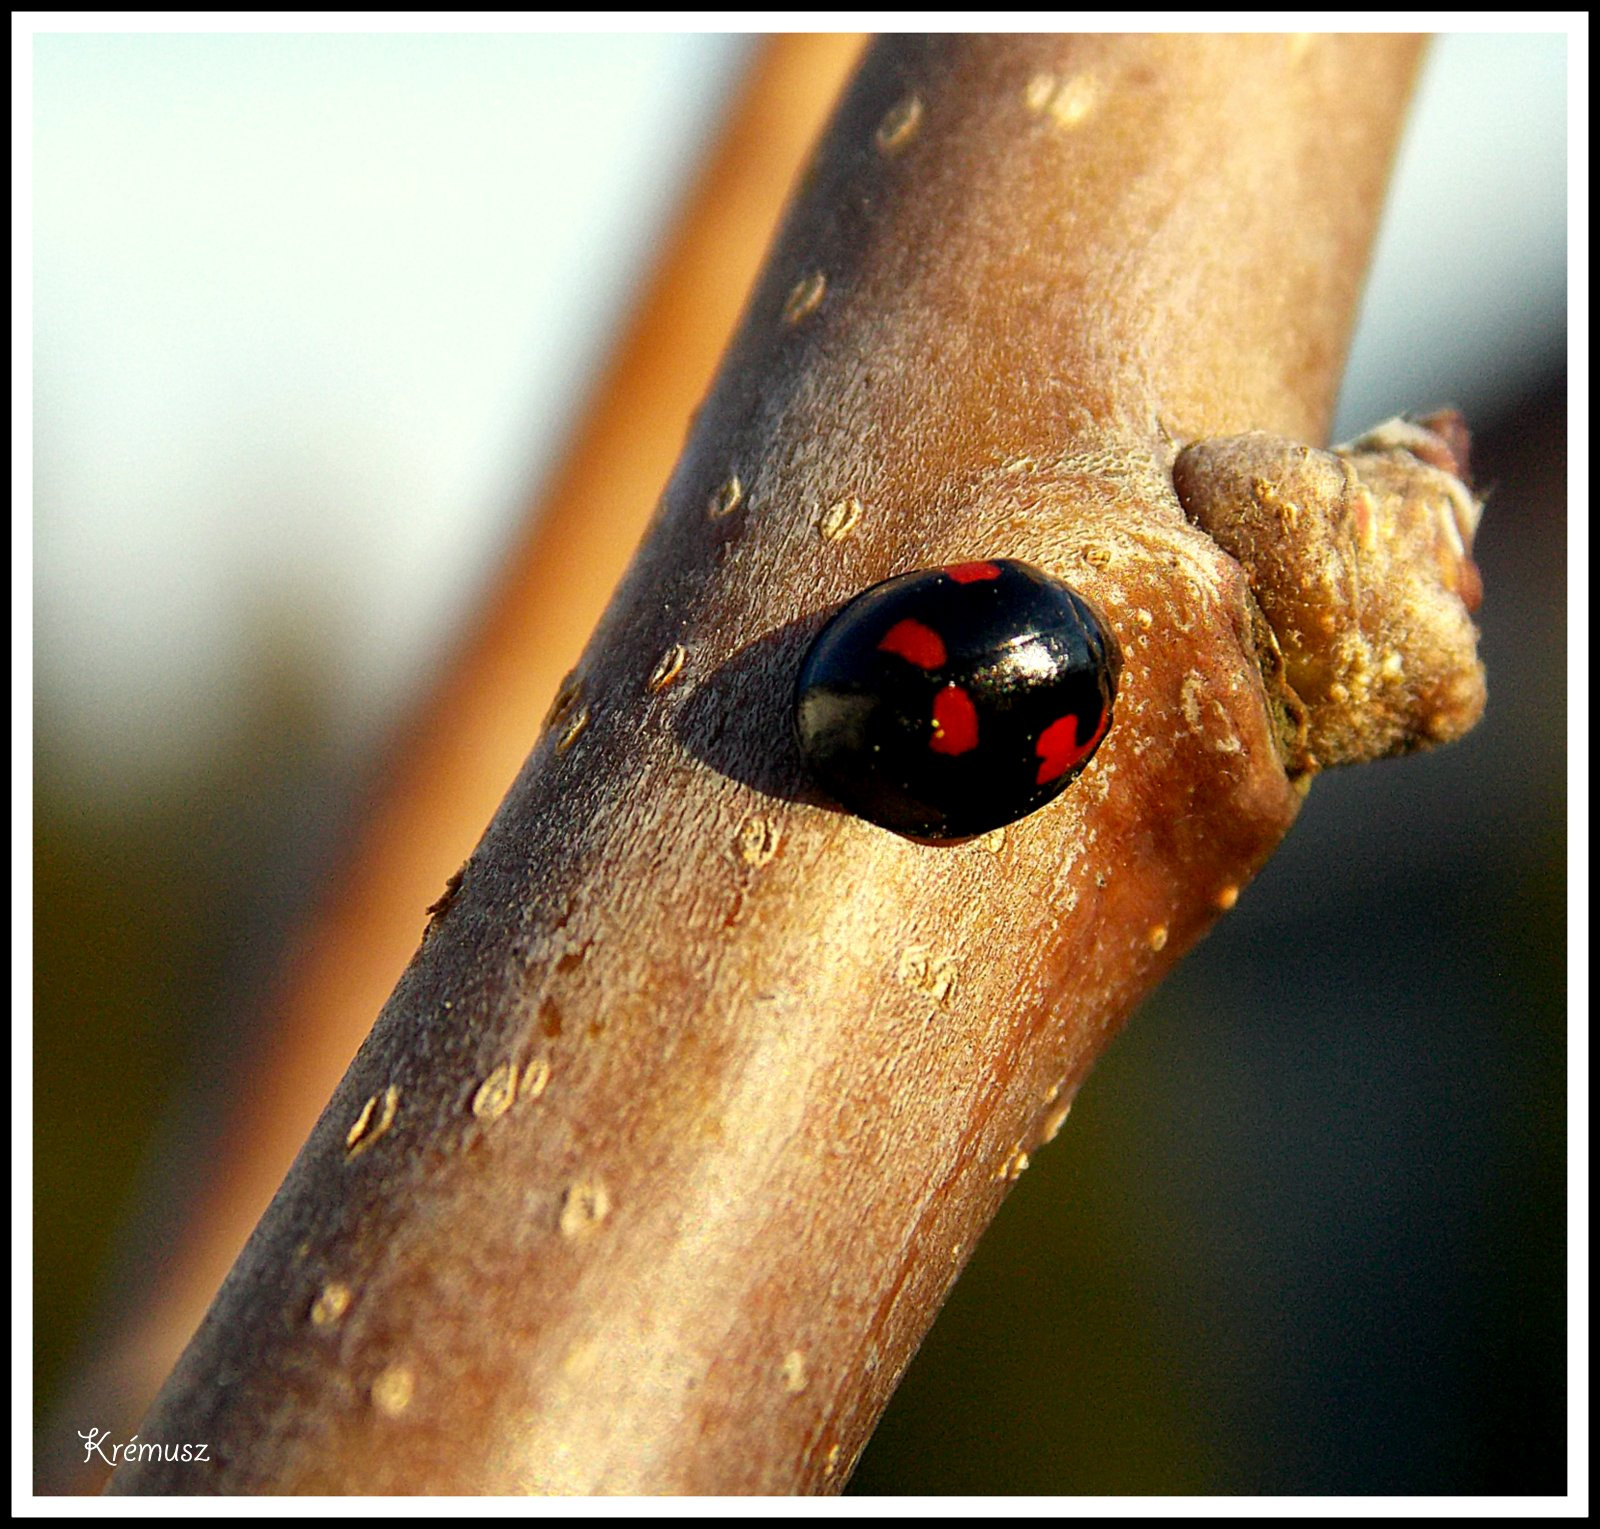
x: 118, y: 949
x: 150, y: 913
x: 1304, y: 1231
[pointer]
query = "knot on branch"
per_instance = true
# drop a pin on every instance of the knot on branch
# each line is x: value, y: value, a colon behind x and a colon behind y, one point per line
x: 1360, y: 559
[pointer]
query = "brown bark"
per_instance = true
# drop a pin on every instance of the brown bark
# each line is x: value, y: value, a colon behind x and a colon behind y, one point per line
x: 663, y: 1153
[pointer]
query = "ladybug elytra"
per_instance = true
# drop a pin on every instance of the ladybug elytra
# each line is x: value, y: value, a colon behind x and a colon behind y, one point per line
x: 949, y: 702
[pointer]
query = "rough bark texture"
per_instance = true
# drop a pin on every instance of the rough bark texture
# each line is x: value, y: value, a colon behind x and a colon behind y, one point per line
x: 1361, y: 561
x: 665, y: 1150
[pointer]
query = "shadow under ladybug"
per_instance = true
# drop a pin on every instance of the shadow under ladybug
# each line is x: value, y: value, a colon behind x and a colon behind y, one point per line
x: 939, y: 705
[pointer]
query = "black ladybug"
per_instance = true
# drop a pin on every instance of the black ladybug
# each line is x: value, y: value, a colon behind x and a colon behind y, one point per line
x: 949, y: 702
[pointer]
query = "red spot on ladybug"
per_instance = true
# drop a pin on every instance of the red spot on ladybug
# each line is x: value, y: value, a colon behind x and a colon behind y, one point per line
x: 1059, y: 747
x: 955, y: 722
x: 973, y: 573
x: 916, y: 643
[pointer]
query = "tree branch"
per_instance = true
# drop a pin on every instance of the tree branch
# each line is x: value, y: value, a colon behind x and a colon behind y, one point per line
x: 662, y: 1155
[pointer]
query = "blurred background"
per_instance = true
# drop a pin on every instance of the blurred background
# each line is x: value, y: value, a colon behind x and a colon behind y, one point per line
x: 314, y: 317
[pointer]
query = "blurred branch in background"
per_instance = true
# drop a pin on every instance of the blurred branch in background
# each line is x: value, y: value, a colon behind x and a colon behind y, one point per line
x: 1309, y: 1240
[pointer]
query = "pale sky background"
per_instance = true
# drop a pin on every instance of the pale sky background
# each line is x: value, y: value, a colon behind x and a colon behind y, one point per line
x: 312, y: 314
